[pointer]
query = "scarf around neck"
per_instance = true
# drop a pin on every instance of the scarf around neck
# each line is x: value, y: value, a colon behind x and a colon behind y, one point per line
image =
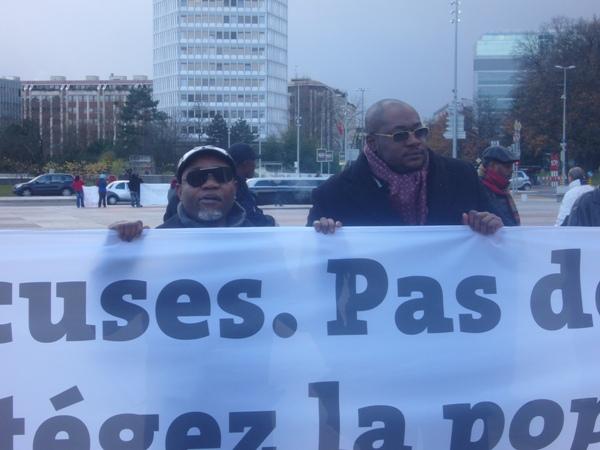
x: 495, y: 182
x: 499, y: 185
x: 408, y: 191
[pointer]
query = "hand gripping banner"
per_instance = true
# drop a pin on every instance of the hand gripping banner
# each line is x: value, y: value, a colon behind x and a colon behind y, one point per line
x: 421, y: 338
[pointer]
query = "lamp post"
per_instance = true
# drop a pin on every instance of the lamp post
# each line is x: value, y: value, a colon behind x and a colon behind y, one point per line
x: 563, y: 144
x: 298, y: 125
x: 455, y: 20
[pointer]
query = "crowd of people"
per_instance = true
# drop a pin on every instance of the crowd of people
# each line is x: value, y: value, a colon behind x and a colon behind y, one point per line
x: 396, y: 180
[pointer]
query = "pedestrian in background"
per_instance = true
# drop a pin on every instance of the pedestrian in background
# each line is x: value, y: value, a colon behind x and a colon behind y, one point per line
x: 497, y: 171
x: 245, y: 164
x: 134, y: 188
x: 77, y: 187
x: 102, y: 190
x: 577, y: 187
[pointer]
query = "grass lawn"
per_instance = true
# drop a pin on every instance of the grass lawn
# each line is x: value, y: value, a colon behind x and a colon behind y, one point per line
x: 6, y: 190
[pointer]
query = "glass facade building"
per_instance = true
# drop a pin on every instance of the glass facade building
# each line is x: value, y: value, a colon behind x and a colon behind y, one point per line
x: 221, y: 56
x: 10, y: 100
x: 497, y: 67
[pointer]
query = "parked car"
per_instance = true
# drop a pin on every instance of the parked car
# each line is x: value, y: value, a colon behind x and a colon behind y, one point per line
x: 283, y: 191
x: 46, y: 184
x: 522, y: 181
x: 118, y: 191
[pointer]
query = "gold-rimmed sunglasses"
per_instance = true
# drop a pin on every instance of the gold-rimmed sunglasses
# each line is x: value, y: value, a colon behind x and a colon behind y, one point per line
x: 402, y: 136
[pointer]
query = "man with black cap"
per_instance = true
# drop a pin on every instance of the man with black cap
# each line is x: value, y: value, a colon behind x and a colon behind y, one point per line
x: 206, y: 187
x: 245, y: 164
x: 497, y: 171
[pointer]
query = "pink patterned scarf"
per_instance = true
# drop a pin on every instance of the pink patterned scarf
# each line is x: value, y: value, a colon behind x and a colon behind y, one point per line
x: 408, y: 192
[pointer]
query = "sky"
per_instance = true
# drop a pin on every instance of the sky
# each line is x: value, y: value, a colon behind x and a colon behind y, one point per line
x: 391, y: 48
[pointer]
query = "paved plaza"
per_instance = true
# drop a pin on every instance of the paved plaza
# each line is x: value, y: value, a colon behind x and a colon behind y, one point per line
x: 58, y: 213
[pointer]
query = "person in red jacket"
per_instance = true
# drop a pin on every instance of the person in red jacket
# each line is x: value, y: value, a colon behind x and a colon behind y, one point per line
x: 78, y: 189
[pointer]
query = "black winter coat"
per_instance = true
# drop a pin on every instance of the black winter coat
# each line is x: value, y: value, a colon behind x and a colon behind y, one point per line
x: 500, y: 206
x: 586, y: 210
x: 356, y: 198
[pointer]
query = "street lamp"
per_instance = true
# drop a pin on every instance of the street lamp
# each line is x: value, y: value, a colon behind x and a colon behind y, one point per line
x: 455, y: 20
x: 298, y: 125
x: 563, y: 144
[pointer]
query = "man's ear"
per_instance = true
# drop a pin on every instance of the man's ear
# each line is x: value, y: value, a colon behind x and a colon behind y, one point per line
x: 372, y: 142
x: 178, y: 190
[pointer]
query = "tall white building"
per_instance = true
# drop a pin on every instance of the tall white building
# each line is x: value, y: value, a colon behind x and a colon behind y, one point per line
x: 221, y: 56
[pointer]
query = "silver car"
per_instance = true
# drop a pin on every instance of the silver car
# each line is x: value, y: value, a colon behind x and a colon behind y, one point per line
x: 118, y: 191
x: 522, y: 181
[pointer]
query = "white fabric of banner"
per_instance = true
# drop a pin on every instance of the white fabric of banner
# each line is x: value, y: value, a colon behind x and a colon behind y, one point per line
x: 154, y: 194
x: 403, y: 336
x: 90, y: 196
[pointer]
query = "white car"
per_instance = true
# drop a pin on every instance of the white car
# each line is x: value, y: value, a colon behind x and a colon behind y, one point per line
x: 118, y: 191
x: 522, y: 181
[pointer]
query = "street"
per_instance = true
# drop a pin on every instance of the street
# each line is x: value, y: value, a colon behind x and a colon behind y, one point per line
x: 535, y: 208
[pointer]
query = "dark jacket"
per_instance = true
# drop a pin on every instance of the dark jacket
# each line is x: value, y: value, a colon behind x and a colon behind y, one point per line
x: 243, y: 196
x: 500, y: 206
x: 102, y: 185
x: 246, y: 199
x: 586, y: 210
x: 356, y: 198
x: 134, y: 183
x: 236, y: 218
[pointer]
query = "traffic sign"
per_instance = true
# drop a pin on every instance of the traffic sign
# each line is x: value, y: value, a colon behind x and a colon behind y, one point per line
x: 324, y: 155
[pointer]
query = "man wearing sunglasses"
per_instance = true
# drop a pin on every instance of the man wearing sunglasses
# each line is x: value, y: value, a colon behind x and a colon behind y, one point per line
x: 398, y: 180
x: 206, y: 187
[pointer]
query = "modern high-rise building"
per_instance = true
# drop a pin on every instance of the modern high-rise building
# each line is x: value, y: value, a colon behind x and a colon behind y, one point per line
x: 225, y: 57
x: 10, y: 100
x: 497, y: 66
x: 76, y: 112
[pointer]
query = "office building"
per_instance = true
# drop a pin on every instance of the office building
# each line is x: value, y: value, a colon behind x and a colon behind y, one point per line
x: 10, y: 100
x: 225, y: 57
x: 497, y: 66
x: 76, y: 112
x: 326, y: 115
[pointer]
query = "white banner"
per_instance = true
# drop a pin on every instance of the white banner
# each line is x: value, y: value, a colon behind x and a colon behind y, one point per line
x: 394, y: 338
x: 150, y: 194
x: 154, y: 194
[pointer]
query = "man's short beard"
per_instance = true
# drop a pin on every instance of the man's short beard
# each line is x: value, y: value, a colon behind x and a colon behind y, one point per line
x: 210, y: 215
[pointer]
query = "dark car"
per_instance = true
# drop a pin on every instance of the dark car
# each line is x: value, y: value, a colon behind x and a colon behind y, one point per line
x: 285, y: 190
x: 46, y: 184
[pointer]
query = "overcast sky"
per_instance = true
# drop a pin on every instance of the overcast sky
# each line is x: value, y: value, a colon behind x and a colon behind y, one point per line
x: 392, y: 48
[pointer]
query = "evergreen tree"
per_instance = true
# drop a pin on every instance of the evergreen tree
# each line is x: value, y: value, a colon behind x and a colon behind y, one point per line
x: 139, y: 123
x: 217, y: 132
x: 282, y: 149
x: 20, y: 145
x: 241, y: 132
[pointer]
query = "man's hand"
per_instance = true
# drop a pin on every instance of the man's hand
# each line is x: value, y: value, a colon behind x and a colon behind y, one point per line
x: 482, y: 222
x: 128, y: 230
x: 326, y: 226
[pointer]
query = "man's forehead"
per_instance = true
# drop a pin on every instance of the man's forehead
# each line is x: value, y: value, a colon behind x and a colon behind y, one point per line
x: 398, y: 117
x: 207, y: 161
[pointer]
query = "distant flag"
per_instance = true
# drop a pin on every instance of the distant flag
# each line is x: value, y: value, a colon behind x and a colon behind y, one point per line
x: 340, y: 128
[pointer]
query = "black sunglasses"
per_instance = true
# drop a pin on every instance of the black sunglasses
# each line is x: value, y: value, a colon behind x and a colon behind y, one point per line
x: 402, y: 136
x: 197, y: 177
